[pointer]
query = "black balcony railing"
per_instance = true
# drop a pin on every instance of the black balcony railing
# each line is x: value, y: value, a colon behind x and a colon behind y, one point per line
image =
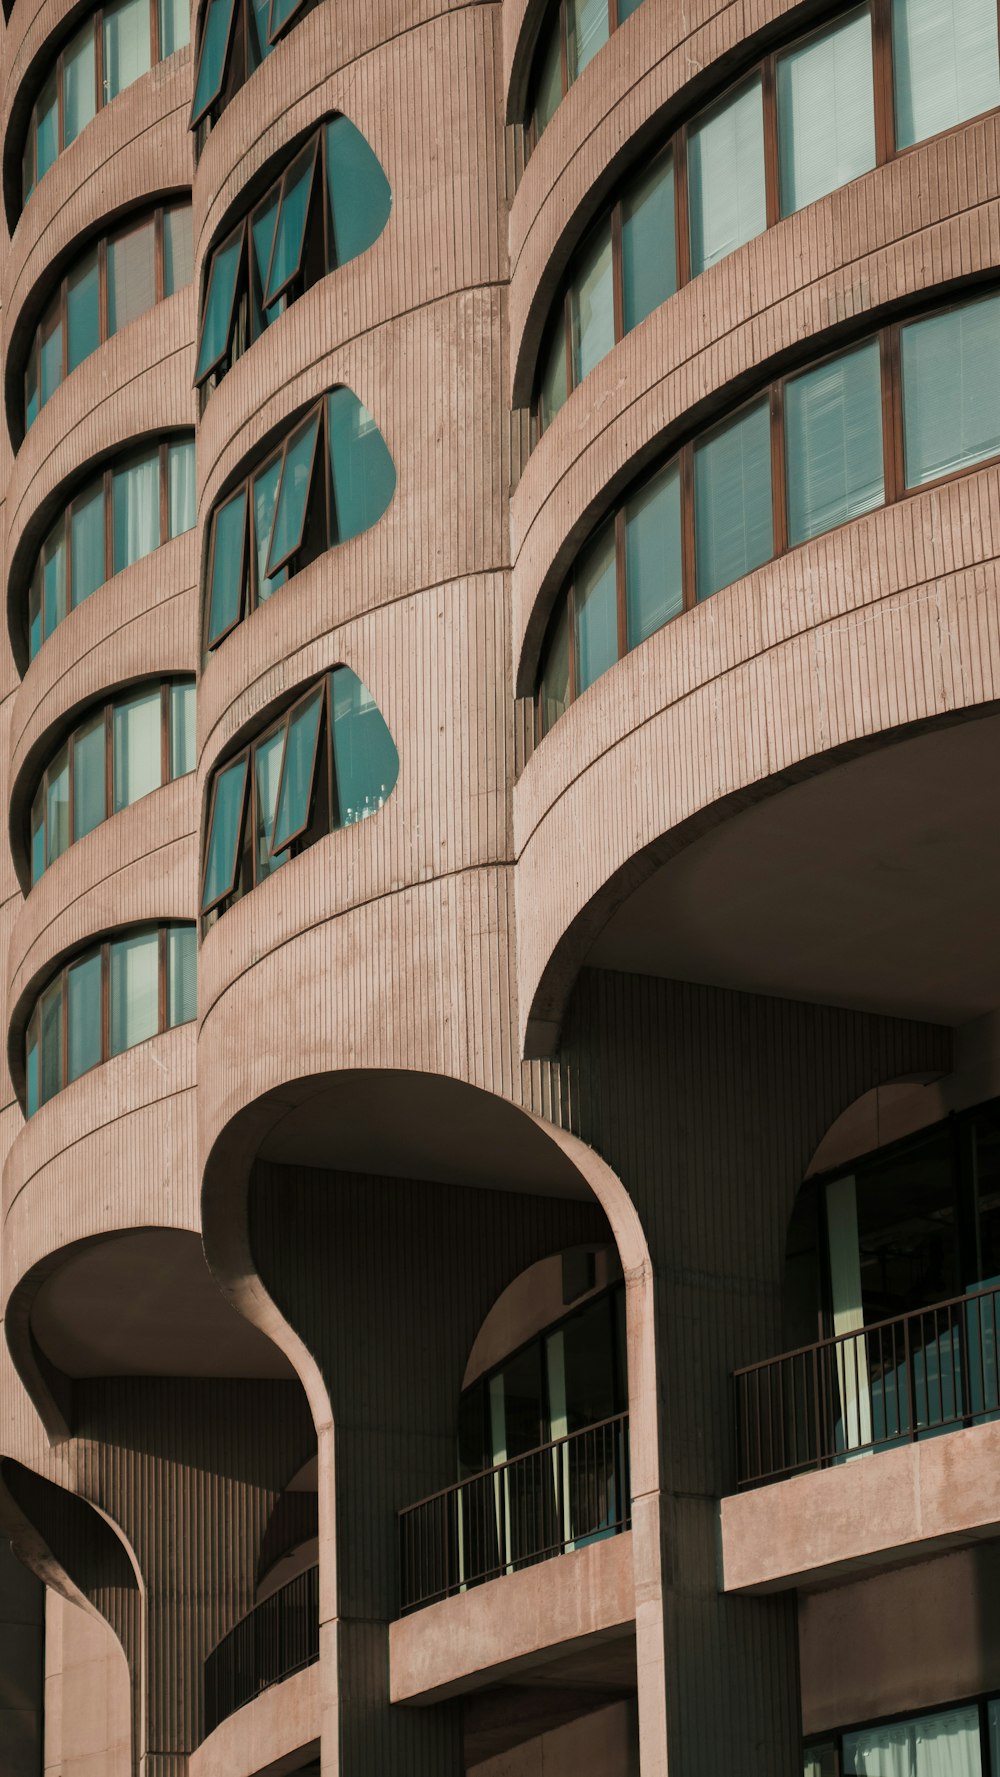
x: 567, y: 1493
x: 883, y: 1385
x: 279, y: 1637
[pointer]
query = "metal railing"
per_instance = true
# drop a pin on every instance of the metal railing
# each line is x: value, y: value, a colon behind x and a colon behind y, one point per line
x: 547, y: 1502
x: 923, y: 1373
x: 278, y: 1637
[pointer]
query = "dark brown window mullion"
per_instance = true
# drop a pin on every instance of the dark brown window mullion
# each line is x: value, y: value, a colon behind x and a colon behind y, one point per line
x: 772, y: 193
x: 252, y: 802
x: 892, y: 413
x: 682, y: 224
x: 620, y: 588
x: 689, y: 581
x: 779, y: 490
x: 885, y: 122
x: 612, y: 17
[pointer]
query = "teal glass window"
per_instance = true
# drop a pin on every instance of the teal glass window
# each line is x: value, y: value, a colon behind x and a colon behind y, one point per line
x: 654, y: 580
x: 79, y: 76
x: 732, y: 500
x: 50, y: 356
x: 137, y: 745
x: 553, y: 385
x: 554, y: 690
x: 83, y: 311
x: 50, y: 1018
x: 951, y: 390
x: 833, y: 433
x: 592, y: 305
x: 548, y: 81
x: 87, y: 534
x: 174, y: 17
x: 571, y: 37
x: 133, y: 990
x: 89, y: 776
x: 37, y: 838
x: 215, y: 40
x: 183, y: 730
x: 131, y: 258
x: 182, y: 975
x: 364, y: 475
x: 293, y: 493
x: 182, y: 506
x: 265, y: 494
x: 267, y: 761
x: 366, y: 763
x: 330, y: 204
x: 84, y: 1015
x: 57, y: 807
x: 135, y: 508
x: 826, y: 111
x: 224, y: 833
x: 357, y: 189
x: 726, y: 186
x: 178, y: 249
x: 588, y: 27
x: 54, y: 577
x: 47, y: 128
x: 946, y: 64
x: 298, y: 767
x: 649, y: 246
x: 595, y: 601
x: 226, y: 572
x: 126, y: 45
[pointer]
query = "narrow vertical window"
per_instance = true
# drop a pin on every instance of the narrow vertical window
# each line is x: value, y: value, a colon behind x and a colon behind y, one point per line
x: 364, y: 475
x: 87, y: 531
x: 211, y: 75
x: 596, y: 599
x: 946, y: 64
x: 137, y: 767
x: 182, y: 975
x: 89, y: 805
x: 126, y: 45
x: 50, y: 354
x: 267, y: 776
x: 46, y: 127
x: 227, y: 568
x: 135, y: 505
x: 732, y: 500
x: 549, y: 86
x: 38, y: 836
x: 552, y: 383
x: 833, y: 442
x: 54, y: 577
x: 357, y: 191
x: 183, y: 734
x: 83, y: 311
x: 217, y: 316
x: 131, y: 275
x: 290, y: 230
x: 178, y: 249
x: 587, y: 32
x: 592, y: 305
x: 298, y: 769
x: 293, y: 494
x: 83, y: 1006
x: 649, y: 249
x: 50, y: 1023
x: 181, y: 503
x: 57, y: 807
x: 654, y: 586
x: 79, y: 83
x: 222, y: 854
x: 554, y: 683
x: 951, y: 390
x: 366, y: 763
x: 265, y: 493
x: 726, y: 189
x: 174, y: 17
x: 133, y: 990
x: 826, y: 112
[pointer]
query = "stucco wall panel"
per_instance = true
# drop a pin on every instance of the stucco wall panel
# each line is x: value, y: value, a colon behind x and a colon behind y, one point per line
x: 937, y: 213
x: 140, y: 378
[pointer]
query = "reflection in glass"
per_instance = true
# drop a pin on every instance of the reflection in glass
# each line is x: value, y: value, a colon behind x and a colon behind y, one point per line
x: 595, y: 594
x: 946, y: 65
x: 137, y: 766
x: 135, y: 506
x: 133, y: 990
x: 732, y: 500
x: 88, y: 776
x: 224, y: 833
x: 182, y: 975
x: 553, y: 690
x: 654, y: 590
x: 365, y: 759
x: 726, y: 176
x: 649, y: 247
x: 592, y: 305
x: 79, y: 83
x: 951, y: 390
x: 833, y: 434
x: 364, y: 475
x: 84, y: 1015
x: 87, y: 531
x: 826, y: 112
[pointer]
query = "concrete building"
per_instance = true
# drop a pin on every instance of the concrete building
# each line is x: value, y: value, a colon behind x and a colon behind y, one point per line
x: 500, y: 712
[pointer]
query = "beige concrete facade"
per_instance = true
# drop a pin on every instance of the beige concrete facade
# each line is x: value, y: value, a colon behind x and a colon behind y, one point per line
x: 596, y: 1004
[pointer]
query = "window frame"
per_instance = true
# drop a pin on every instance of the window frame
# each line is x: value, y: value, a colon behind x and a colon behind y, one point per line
x: 61, y: 979
x: 773, y: 391
x: 981, y: 1700
x: 558, y: 22
x: 95, y: 20
x: 56, y: 310
x: 70, y: 740
x: 234, y: 68
x: 84, y: 492
x: 676, y: 141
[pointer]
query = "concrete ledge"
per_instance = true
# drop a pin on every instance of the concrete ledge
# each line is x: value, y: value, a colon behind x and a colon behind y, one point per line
x: 269, y: 1737
x: 513, y: 1623
x: 873, y: 1512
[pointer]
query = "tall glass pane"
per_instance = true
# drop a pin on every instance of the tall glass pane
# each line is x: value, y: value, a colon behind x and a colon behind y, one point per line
x: 263, y: 222
x: 217, y: 314
x: 586, y: 30
x: 549, y: 89
x: 83, y: 311
x: 175, y: 25
x: 135, y: 510
x: 131, y: 275
x: 994, y: 1721
x: 182, y: 975
x: 31, y: 1082
x: 54, y: 577
x: 87, y: 532
x: 182, y: 508
x: 365, y: 760
x: 649, y: 245
x: 292, y: 809
x: 28, y: 164
x: 134, y: 990
x: 89, y: 802
x: 267, y: 772
x: 552, y: 386
x: 290, y: 231
x: 943, y: 1745
x: 79, y: 82
x: 592, y: 304
x: 225, y: 593
x: 51, y: 356
x: 57, y: 807
x: 732, y: 500
x: 357, y: 189
x: 137, y: 764
x: 224, y: 833
x: 126, y: 44
x: 212, y: 60
x: 654, y: 590
x: 595, y: 590
x: 293, y: 494
x: 553, y: 684
x: 178, y: 249
x: 50, y: 1020
x: 32, y: 400
x: 46, y: 127
x: 833, y: 442
x: 951, y: 390
x: 38, y: 836
x: 364, y: 475
x: 820, y: 1761
x: 946, y: 65
x: 84, y: 1015
x: 826, y: 112
x: 183, y: 729
x: 35, y: 611
x: 726, y: 196
x: 265, y: 492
